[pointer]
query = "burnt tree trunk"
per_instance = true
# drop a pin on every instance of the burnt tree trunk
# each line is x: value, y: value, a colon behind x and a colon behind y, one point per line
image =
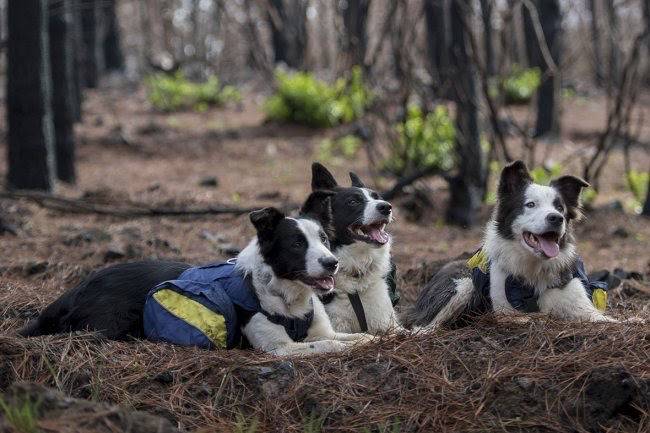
x: 29, y: 111
x: 355, y: 40
x: 437, y: 41
x: 488, y: 43
x: 599, y: 76
x: 91, y: 21
x: 548, y: 94
x: 63, y: 92
x: 467, y: 188
x: 112, y: 49
x: 78, y: 58
x: 288, y: 22
x: 613, y: 48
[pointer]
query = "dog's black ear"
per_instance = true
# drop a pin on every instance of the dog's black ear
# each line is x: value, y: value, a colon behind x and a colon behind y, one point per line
x: 321, y: 178
x: 266, y: 221
x: 356, y: 181
x: 319, y: 207
x: 514, y: 176
x: 569, y: 188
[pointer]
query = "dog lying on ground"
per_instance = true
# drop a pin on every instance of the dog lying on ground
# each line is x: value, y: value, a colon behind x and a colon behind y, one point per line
x: 528, y: 261
x: 272, y: 302
x: 361, y: 301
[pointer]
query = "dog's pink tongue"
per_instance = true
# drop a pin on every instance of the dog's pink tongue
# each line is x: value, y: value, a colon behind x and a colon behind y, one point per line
x: 550, y: 248
x: 378, y: 235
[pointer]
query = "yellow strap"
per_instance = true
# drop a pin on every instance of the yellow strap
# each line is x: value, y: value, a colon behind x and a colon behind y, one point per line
x: 478, y: 260
x: 211, y: 324
x: 599, y: 299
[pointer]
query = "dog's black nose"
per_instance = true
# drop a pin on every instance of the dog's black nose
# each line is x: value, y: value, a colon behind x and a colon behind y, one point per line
x: 554, y: 219
x: 329, y: 263
x: 384, y: 208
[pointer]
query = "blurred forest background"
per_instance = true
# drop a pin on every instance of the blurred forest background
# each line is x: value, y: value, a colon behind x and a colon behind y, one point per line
x: 447, y: 89
x: 135, y: 129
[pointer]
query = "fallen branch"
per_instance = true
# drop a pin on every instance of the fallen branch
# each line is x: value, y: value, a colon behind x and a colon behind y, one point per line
x: 408, y: 180
x: 130, y: 210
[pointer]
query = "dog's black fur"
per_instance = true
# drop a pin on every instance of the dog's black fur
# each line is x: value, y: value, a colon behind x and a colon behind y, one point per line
x: 110, y: 301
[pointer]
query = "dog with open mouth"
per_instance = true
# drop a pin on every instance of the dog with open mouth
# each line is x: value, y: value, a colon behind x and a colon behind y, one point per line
x: 528, y: 261
x: 361, y: 301
x: 265, y: 298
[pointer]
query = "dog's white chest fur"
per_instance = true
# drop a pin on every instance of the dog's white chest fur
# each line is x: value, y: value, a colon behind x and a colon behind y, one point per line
x: 362, y: 270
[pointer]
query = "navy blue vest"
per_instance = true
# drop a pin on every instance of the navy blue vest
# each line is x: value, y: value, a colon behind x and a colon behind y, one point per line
x: 207, y: 306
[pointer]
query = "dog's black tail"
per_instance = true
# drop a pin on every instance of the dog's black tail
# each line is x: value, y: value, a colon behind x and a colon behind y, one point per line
x: 109, y: 301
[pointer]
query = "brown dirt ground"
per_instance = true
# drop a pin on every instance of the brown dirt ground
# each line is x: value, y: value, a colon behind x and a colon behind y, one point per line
x: 128, y: 152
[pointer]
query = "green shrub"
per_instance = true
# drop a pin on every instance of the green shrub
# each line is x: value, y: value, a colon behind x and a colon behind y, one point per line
x: 544, y: 175
x: 425, y: 142
x: 520, y: 85
x: 23, y: 416
x: 344, y: 147
x: 175, y: 92
x: 637, y: 182
x: 301, y: 98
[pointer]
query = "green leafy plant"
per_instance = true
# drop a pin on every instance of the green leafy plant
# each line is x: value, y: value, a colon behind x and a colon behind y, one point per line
x: 301, y: 98
x: 544, y: 175
x: 22, y: 416
x: 637, y: 182
x: 520, y: 85
x: 175, y: 92
x: 345, y: 147
x: 426, y: 142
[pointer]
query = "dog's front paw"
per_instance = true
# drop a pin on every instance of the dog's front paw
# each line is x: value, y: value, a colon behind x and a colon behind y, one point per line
x: 362, y: 338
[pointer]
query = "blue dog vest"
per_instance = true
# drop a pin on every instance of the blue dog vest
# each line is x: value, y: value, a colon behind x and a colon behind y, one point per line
x: 207, y: 306
x: 522, y: 296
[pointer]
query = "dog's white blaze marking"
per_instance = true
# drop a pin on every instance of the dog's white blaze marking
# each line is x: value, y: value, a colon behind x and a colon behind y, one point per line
x: 534, y: 219
x: 370, y: 212
x: 315, y: 248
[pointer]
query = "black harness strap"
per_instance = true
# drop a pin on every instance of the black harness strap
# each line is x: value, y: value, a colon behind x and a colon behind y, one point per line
x: 357, y: 306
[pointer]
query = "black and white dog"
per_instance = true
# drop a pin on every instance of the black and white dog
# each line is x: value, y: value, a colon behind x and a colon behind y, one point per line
x: 528, y: 261
x: 361, y: 301
x: 288, y: 263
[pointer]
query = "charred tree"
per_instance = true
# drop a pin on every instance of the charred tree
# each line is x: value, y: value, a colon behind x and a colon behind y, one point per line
x: 112, y: 48
x: 63, y: 91
x: 467, y: 187
x: 93, y: 56
x: 78, y: 58
x: 548, y: 94
x: 354, y: 41
x: 614, y: 71
x: 288, y: 22
x: 599, y: 76
x: 488, y: 43
x: 437, y: 40
x: 29, y: 86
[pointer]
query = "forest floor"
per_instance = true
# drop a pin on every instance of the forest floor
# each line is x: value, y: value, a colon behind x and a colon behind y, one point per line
x: 543, y: 375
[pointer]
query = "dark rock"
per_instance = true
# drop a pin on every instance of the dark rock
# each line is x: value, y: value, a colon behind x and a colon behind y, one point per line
x: 209, y: 182
x: 115, y: 251
x: 271, y: 380
x: 165, y: 377
x: 269, y: 195
x: 229, y: 250
x: 621, y: 232
x: 81, y: 415
x: 33, y: 268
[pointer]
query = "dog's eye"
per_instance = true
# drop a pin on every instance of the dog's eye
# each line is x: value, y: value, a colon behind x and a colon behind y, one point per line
x: 323, y: 238
x: 375, y: 196
x: 352, y: 202
x: 297, y: 244
x: 530, y: 204
x: 560, y: 208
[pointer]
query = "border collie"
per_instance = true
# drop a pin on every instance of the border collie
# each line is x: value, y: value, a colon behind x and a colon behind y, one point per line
x: 288, y: 262
x: 361, y: 301
x: 528, y: 261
